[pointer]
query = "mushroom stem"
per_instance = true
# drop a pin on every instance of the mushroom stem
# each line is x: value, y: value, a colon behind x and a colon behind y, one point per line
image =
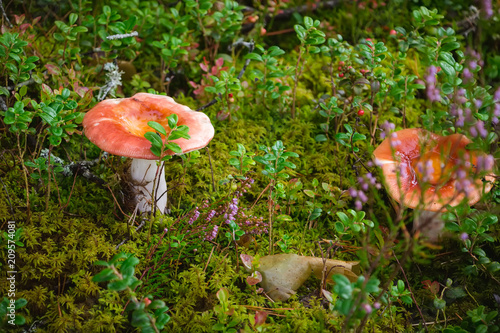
x: 143, y: 173
x: 430, y: 224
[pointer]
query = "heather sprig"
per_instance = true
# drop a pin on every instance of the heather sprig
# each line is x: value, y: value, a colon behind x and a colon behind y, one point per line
x: 207, y: 219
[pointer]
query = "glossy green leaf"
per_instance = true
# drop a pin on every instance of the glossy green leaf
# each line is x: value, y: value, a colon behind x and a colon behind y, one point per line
x: 154, y: 138
x: 157, y: 127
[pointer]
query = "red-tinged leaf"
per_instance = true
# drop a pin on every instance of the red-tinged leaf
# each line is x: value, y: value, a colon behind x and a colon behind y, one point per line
x: 81, y: 91
x: 87, y: 98
x: 19, y: 18
x: 433, y: 287
x: 246, y: 260
x: 72, y: 74
x: 46, y: 89
x: 219, y: 62
x: 260, y: 318
x: 23, y: 27
x: 53, y: 69
x: 255, y: 278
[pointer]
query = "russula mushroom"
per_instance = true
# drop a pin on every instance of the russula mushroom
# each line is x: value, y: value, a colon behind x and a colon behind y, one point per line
x: 428, y: 171
x: 117, y: 126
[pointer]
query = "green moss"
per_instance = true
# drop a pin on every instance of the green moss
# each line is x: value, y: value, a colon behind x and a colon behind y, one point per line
x: 66, y: 230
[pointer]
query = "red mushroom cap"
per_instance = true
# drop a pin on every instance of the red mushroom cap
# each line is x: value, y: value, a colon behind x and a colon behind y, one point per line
x: 423, y: 168
x: 117, y: 126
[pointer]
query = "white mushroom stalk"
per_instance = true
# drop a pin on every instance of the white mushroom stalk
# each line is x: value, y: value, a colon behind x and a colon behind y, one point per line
x: 145, y: 188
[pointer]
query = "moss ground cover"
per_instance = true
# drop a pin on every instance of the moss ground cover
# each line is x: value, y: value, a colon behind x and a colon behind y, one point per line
x: 300, y: 94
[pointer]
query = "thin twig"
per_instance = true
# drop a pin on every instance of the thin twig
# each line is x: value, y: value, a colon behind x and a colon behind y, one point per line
x: 121, y: 36
x: 3, y: 105
x: 5, y: 14
x: 411, y: 292
x: 142, y: 224
x: 19, y: 85
x: 116, y: 201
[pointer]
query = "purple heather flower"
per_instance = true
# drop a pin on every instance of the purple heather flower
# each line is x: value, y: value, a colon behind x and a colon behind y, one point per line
x: 496, y: 114
x: 485, y: 163
x: 213, y: 234
x: 496, y: 97
x: 195, y: 216
x: 463, y: 185
x: 433, y: 93
x: 395, y: 143
x: 427, y: 170
x: 487, y: 8
x: 362, y: 196
x: 467, y: 75
x: 211, y: 215
x: 388, y: 128
x: 478, y: 129
x: 464, y: 236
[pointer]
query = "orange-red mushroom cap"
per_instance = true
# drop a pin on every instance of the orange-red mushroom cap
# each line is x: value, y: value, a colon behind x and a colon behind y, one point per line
x: 117, y: 126
x: 426, y: 169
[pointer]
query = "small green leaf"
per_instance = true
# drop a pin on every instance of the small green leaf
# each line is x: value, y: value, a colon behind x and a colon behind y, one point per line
x: 309, y: 193
x: 234, y: 161
x: 55, y: 140
x: 320, y: 138
x: 106, y: 274
x: 174, y: 135
x: 154, y: 138
x: 20, y: 303
x: 72, y: 18
x: 447, y: 68
x: 65, y: 93
x: 493, y: 267
x: 172, y: 120
x: 447, y: 88
x: 118, y: 285
x: 358, y: 137
x: 19, y: 320
x: 253, y: 56
x: 344, y: 218
x: 450, y: 46
x: 157, y: 127
x: 439, y: 304
x: 174, y: 147
x: 139, y: 318
x: 308, y: 22
x: 130, y: 262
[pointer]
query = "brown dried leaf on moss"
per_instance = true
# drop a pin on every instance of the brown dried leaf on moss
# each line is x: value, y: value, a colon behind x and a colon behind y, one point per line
x: 283, y: 274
